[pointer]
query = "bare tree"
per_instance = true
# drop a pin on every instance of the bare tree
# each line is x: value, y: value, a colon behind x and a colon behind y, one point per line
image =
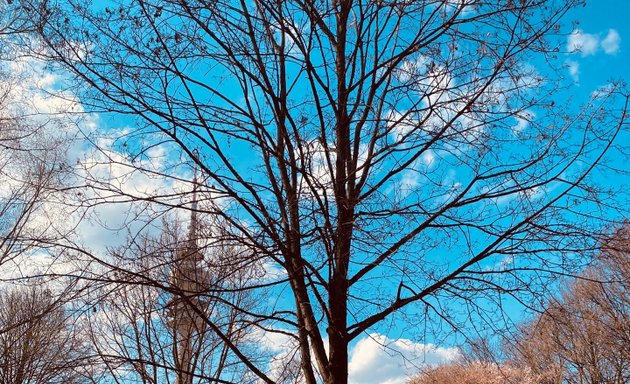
x: 149, y: 324
x: 37, y: 334
x: 390, y: 157
x: 38, y: 342
x: 475, y: 373
x: 583, y: 335
x: 17, y: 199
x: 32, y: 158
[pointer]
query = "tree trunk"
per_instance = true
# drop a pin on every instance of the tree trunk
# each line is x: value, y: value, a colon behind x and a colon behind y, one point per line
x: 338, y: 333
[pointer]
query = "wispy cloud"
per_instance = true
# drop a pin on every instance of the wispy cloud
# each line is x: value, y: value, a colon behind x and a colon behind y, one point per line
x: 585, y: 43
x: 574, y: 69
x: 589, y: 44
x: 611, y: 42
x: 379, y: 359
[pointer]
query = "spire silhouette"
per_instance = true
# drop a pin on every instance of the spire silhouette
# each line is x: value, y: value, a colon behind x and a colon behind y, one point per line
x: 189, y: 279
x: 194, y: 224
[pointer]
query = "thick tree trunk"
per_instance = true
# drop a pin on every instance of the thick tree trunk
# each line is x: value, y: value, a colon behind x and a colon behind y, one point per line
x: 338, y: 288
x: 338, y: 333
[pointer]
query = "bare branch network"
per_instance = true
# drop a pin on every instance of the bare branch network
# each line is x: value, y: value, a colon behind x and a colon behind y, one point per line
x: 361, y: 166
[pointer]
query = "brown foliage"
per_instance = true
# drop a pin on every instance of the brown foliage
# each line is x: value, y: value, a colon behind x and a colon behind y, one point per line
x: 584, y: 334
x: 474, y: 373
x: 37, y: 342
x: 333, y: 130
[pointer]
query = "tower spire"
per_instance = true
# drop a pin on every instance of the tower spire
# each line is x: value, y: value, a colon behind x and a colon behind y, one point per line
x: 189, y: 281
x: 194, y: 224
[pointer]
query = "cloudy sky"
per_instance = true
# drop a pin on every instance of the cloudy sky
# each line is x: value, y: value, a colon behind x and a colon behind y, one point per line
x: 599, y: 44
x: 597, y: 51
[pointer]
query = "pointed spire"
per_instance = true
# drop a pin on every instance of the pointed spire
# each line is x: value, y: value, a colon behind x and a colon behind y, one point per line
x: 192, y: 229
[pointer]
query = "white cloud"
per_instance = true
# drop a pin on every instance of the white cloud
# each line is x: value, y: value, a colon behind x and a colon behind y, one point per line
x: 284, y: 353
x: 574, y: 70
x: 409, y: 181
x: 399, y: 125
x: 411, y: 69
x: 117, y: 187
x: 465, y: 7
x: 585, y: 43
x: 411, y: 177
x: 377, y: 359
x: 428, y: 158
x: 588, y: 44
x: 523, y: 120
x: 60, y: 123
x: 318, y: 161
x: 438, y: 87
x: 272, y: 271
x: 611, y: 42
x: 602, y: 92
x: 34, y: 158
x: 37, y: 264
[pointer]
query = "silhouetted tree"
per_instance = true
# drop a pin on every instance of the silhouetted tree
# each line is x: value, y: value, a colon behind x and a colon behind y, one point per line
x: 584, y: 333
x: 475, y: 373
x: 389, y: 157
x: 150, y: 323
x: 38, y: 340
x: 32, y: 158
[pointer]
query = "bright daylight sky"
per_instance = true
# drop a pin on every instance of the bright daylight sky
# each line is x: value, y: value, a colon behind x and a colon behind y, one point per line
x: 602, y: 35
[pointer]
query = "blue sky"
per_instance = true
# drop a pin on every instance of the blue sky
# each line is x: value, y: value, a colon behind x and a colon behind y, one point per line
x: 600, y: 39
x: 596, y: 19
x: 602, y: 34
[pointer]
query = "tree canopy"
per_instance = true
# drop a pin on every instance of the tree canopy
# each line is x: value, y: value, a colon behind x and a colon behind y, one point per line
x: 387, y: 165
